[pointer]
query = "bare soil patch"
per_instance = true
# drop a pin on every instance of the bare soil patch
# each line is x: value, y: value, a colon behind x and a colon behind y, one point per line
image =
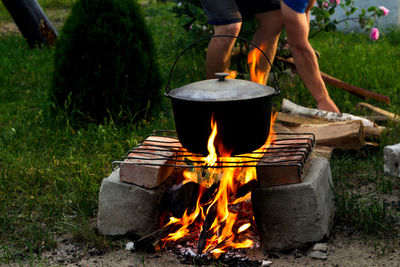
x: 342, y: 250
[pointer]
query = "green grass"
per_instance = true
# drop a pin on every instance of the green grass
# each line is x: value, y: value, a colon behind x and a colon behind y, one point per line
x: 50, y: 173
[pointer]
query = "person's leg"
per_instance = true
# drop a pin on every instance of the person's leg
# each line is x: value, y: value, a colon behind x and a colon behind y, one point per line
x: 219, y: 50
x: 266, y: 37
x: 297, y: 29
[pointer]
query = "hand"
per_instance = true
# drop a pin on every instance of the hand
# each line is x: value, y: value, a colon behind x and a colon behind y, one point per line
x: 328, y: 105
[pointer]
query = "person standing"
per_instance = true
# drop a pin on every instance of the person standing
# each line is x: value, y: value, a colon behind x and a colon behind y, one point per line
x: 272, y: 15
x: 296, y: 19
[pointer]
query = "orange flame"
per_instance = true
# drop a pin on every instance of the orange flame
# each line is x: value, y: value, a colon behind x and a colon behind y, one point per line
x: 253, y: 59
x: 232, y: 74
x: 212, y: 156
x: 222, y: 234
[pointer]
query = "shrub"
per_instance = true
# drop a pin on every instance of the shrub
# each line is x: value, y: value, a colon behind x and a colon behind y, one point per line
x: 104, y: 63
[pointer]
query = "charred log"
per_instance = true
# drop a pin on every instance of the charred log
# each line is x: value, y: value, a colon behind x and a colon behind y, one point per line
x: 212, y: 214
x: 246, y: 188
x: 149, y: 242
x: 180, y: 198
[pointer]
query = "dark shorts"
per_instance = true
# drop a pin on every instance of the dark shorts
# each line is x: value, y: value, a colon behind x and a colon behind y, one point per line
x: 223, y: 12
x: 297, y: 5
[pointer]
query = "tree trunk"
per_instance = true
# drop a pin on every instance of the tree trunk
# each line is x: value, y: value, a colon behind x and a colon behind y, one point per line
x: 31, y: 21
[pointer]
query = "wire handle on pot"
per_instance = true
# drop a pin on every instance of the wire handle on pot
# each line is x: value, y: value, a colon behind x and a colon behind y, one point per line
x: 168, y: 89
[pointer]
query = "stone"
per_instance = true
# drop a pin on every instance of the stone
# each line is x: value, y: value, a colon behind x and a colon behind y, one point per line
x: 128, y: 209
x: 391, y: 155
x: 266, y: 263
x: 135, y: 170
x: 318, y: 255
x: 320, y: 247
x: 292, y: 216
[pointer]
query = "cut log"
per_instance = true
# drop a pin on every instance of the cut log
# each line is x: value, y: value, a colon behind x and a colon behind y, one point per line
x: 342, y: 85
x: 292, y: 108
x: 378, y: 111
x: 31, y: 21
x: 343, y: 135
x: 288, y: 118
x: 371, y: 129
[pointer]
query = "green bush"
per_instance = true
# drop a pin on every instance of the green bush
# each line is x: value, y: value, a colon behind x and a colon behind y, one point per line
x: 104, y: 63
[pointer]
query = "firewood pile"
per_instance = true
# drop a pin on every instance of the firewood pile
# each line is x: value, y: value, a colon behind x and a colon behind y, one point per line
x: 333, y: 130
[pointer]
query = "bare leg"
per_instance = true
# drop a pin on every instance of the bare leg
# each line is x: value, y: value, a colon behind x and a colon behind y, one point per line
x: 266, y: 37
x: 219, y: 50
x: 297, y: 29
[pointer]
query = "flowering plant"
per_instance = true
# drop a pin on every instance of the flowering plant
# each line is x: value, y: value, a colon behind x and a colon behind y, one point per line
x: 324, y: 10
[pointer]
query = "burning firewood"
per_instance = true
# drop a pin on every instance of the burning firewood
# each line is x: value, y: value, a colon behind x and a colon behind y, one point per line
x: 151, y: 241
x: 206, y: 227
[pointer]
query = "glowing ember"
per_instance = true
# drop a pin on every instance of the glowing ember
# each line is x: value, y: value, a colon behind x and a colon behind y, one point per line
x: 220, y: 220
x: 244, y: 227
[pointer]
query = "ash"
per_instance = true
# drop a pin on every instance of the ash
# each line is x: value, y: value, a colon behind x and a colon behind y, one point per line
x: 232, y: 258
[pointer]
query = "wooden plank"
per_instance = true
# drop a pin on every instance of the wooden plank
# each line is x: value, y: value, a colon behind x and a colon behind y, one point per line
x: 343, y: 135
x: 378, y: 111
x: 342, y: 85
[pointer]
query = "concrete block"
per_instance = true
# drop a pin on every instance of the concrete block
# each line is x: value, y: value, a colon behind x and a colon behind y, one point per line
x: 391, y: 155
x: 128, y: 209
x: 291, y: 216
x: 149, y: 176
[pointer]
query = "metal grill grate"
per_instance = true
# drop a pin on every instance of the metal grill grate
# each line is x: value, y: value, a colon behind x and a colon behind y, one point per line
x: 288, y: 149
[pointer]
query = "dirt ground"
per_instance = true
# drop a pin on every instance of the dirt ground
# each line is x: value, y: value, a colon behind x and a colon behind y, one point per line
x: 342, y: 250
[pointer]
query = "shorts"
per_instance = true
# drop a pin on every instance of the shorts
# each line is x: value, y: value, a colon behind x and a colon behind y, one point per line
x: 223, y: 12
x: 297, y: 5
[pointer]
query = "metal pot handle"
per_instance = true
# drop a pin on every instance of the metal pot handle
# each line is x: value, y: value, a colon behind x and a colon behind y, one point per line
x: 168, y: 89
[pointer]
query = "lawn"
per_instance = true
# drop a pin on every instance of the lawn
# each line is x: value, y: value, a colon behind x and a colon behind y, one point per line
x: 50, y: 173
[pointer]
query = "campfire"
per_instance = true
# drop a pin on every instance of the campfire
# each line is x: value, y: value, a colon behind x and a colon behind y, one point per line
x: 204, y: 205
x: 222, y: 217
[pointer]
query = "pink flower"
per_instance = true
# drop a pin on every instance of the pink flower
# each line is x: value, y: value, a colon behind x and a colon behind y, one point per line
x: 326, y: 4
x: 385, y: 10
x: 337, y: 2
x: 374, y: 35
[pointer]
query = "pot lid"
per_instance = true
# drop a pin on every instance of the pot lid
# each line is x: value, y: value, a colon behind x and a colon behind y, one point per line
x: 221, y: 89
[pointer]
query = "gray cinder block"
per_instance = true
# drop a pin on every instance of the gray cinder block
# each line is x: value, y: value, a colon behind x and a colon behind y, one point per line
x: 391, y: 155
x: 128, y: 209
x: 291, y: 216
